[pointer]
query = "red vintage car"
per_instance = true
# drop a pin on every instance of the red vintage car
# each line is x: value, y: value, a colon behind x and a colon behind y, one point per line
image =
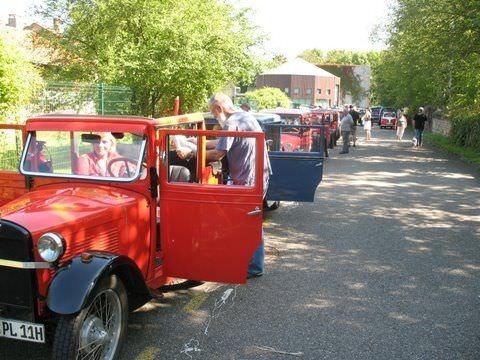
x: 78, y: 250
x: 328, y: 118
x: 294, y: 138
x: 388, y: 119
x: 81, y: 246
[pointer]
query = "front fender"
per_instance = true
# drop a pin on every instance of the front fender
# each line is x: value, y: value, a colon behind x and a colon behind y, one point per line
x: 72, y: 286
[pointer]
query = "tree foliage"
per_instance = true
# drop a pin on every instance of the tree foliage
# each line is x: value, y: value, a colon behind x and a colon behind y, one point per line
x: 159, y: 48
x: 267, y: 98
x: 340, y: 57
x: 433, y: 56
x: 19, y: 80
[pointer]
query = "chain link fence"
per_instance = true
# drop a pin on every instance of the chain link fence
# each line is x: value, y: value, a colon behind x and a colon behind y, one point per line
x: 89, y: 99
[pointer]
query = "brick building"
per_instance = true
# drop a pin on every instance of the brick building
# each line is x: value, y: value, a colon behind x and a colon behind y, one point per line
x: 303, y: 82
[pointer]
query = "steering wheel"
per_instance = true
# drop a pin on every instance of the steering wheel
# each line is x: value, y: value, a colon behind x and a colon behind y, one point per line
x: 126, y: 162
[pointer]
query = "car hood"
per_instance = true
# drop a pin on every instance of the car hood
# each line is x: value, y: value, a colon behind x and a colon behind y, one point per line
x: 75, y: 207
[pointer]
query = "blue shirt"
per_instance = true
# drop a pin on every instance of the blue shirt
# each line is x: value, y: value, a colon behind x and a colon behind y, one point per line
x: 241, y: 151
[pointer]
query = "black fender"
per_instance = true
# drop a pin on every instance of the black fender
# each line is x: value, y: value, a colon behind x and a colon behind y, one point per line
x: 71, y: 288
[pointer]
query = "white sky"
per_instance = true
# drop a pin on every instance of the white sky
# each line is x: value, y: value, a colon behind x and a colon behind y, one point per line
x: 291, y: 25
x: 294, y: 26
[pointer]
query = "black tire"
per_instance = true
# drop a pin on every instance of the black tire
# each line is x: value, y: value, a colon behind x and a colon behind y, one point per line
x: 270, y: 205
x: 76, y: 331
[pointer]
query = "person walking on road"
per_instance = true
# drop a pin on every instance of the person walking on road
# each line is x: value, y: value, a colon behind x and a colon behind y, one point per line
x: 367, y: 124
x: 346, y: 126
x: 419, y: 123
x: 401, y: 126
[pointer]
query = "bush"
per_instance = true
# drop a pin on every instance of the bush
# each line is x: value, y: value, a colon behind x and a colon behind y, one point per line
x: 267, y: 98
x: 19, y: 80
x: 466, y: 131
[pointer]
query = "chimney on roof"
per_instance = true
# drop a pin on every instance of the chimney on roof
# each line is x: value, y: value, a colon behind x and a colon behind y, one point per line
x: 56, y: 24
x: 12, y: 20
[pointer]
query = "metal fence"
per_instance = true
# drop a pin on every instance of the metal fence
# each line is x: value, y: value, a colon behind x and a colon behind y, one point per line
x: 98, y: 99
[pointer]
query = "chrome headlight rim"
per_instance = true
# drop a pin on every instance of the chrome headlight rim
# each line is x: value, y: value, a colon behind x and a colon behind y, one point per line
x: 51, y: 246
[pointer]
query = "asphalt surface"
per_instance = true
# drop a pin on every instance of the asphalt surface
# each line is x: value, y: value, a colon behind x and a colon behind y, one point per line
x: 384, y: 265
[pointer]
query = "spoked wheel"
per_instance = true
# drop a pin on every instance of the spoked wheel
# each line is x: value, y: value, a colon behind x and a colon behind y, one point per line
x: 97, y: 331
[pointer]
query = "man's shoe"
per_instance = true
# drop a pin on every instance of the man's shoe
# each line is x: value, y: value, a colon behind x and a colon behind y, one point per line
x: 254, y: 275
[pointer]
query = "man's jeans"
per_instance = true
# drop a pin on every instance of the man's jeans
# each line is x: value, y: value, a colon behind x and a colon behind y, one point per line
x: 346, y: 141
x: 418, y: 136
x: 257, y: 262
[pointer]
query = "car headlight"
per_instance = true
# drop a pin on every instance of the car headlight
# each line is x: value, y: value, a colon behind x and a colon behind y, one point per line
x: 50, y: 247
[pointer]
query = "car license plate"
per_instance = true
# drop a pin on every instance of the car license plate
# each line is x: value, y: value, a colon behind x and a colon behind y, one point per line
x: 22, y: 330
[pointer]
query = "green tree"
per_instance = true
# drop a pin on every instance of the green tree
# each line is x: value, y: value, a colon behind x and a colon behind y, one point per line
x: 267, y: 98
x: 433, y: 56
x: 314, y: 56
x: 19, y: 80
x: 159, y: 48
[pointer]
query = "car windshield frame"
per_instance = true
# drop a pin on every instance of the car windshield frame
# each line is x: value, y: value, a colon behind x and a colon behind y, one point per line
x: 72, y: 176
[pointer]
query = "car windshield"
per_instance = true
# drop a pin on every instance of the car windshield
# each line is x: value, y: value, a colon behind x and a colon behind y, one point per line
x: 79, y: 154
x: 388, y: 114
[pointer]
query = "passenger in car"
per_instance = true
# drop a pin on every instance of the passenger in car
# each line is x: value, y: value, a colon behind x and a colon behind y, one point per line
x: 95, y: 163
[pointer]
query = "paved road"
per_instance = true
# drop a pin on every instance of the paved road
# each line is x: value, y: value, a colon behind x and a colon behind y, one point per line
x: 384, y: 265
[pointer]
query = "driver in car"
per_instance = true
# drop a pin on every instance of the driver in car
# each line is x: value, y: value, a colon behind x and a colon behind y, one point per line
x: 96, y: 162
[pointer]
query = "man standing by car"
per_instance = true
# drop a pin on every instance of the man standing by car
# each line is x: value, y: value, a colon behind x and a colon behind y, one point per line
x: 355, y: 117
x: 419, y: 122
x: 346, y: 126
x: 240, y: 153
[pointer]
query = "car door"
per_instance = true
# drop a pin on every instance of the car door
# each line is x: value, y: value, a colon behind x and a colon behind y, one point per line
x: 12, y: 183
x: 297, y: 154
x: 208, y: 231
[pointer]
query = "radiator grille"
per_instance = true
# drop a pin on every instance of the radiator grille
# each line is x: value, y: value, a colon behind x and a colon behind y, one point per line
x: 17, y: 294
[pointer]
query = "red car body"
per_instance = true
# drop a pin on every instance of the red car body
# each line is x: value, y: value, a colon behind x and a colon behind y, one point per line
x: 294, y: 139
x: 388, y: 120
x: 328, y: 118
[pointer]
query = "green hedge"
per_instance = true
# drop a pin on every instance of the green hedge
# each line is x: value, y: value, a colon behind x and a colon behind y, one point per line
x: 466, y: 131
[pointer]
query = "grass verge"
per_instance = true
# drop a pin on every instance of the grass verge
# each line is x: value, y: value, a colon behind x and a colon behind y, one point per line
x: 467, y: 154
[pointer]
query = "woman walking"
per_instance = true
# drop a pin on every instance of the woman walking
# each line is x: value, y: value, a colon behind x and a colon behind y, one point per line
x: 367, y: 124
x: 401, y: 126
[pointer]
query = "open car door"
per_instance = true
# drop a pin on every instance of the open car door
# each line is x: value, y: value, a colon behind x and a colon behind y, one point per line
x: 297, y: 154
x: 208, y: 231
x: 12, y: 183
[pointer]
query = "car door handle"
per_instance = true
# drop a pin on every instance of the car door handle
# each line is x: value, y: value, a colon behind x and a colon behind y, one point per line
x: 255, y: 212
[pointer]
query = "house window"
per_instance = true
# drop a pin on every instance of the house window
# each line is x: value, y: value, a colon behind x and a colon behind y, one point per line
x: 329, y: 91
x: 308, y: 91
x: 296, y: 91
x: 319, y: 91
x: 287, y: 90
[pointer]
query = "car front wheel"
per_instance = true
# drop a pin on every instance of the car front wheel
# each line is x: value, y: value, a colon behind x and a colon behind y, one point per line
x: 97, y: 331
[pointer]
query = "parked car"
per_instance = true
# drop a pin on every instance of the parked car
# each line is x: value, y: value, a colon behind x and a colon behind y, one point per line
x: 328, y: 118
x: 78, y: 251
x: 389, y: 119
